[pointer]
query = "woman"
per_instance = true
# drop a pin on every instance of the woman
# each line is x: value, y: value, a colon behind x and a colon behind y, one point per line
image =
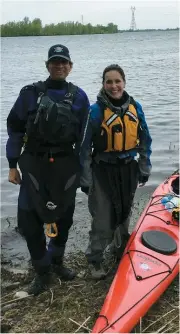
x: 117, y: 130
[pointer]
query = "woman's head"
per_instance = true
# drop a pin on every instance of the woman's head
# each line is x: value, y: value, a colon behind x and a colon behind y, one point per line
x: 114, y: 81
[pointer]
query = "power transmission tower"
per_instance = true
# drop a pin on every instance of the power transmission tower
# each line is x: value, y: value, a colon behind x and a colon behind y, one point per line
x: 133, y: 21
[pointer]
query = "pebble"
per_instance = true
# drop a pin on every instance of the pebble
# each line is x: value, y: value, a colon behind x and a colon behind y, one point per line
x: 21, y: 294
x: 18, y: 271
x: 81, y: 274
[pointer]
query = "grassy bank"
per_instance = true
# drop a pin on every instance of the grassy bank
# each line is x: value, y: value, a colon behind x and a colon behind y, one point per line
x: 67, y: 305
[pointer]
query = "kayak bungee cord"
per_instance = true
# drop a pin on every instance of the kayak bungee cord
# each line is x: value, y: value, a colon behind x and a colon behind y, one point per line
x: 139, y: 278
x: 113, y: 323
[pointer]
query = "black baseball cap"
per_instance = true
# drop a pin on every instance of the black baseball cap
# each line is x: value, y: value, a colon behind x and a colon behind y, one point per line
x: 59, y: 51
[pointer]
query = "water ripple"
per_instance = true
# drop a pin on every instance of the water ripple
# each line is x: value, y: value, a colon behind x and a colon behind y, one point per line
x: 150, y: 61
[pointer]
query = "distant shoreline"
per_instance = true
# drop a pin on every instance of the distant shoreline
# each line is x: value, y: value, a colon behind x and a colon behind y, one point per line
x: 103, y: 33
x: 153, y: 29
x: 26, y: 27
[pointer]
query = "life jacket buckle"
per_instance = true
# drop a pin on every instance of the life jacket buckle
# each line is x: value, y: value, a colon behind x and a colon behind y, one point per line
x: 51, y: 230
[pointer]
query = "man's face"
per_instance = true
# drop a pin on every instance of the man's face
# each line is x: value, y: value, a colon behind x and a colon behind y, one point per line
x: 59, y: 68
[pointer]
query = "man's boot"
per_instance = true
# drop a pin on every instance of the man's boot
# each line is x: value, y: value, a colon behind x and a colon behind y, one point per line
x: 40, y: 282
x: 61, y: 270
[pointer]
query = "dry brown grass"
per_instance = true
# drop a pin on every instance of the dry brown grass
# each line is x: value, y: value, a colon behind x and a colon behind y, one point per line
x: 73, y: 306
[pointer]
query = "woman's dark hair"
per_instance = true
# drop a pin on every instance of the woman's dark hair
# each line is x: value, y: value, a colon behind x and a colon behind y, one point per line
x: 114, y: 67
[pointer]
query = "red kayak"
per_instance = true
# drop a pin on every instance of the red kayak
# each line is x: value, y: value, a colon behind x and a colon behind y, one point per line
x: 148, y: 266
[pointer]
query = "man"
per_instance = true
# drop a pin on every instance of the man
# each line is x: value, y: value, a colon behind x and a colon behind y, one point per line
x: 48, y: 120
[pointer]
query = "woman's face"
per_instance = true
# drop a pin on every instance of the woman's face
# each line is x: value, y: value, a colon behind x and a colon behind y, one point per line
x: 114, y: 84
x: 59, y: 68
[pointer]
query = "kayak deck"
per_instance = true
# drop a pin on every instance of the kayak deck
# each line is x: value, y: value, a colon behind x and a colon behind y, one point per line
x: 149, y: 264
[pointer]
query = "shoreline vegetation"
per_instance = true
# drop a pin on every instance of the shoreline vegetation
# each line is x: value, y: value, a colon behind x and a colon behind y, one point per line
x: 73, y: 307
x: 35, y: 28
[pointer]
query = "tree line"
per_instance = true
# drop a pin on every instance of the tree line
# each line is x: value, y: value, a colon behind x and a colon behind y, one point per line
x: 35, y: 28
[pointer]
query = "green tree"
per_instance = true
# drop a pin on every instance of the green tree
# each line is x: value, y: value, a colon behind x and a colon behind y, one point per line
x: 35, y: 28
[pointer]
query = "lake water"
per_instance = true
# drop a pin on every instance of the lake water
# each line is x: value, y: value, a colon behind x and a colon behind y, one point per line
x: 150, y: 62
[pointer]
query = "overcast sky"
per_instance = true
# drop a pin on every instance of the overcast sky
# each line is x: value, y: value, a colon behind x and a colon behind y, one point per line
x: 148, y: 13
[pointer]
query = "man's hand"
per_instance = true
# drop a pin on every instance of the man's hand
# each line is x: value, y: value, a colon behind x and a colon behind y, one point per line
x: 142, y: 180
x: 14, y: 176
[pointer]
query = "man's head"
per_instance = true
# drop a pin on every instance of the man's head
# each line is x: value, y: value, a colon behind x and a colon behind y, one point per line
x: 59, y: 63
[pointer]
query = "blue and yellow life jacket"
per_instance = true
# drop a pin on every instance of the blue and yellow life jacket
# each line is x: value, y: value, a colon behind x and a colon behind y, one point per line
x: 118, y: 133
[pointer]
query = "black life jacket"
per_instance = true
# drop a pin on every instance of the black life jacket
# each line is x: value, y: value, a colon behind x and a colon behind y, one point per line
x: 52, y: 124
